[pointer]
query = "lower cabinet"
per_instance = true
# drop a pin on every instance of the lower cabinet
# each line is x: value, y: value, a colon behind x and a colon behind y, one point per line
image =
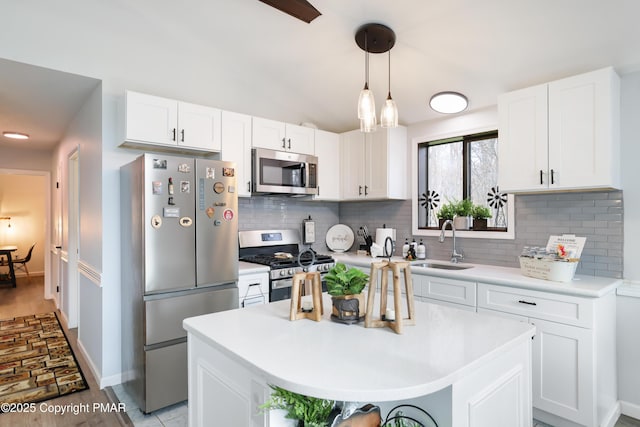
x: 574, y: 368
x: 253, y: 289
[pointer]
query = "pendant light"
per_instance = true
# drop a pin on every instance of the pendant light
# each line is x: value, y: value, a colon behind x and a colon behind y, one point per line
x: 389, y: 113
x: 366, y: 101
x: 375, y: 38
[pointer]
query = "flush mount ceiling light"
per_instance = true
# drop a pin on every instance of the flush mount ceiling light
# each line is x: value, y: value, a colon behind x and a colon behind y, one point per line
x: 448, y: 102
x: 375, y: 38
x: 15, y: 135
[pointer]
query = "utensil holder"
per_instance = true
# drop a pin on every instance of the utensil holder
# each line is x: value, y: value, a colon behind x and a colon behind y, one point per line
x: 395, y: 267
x: 297, y: 288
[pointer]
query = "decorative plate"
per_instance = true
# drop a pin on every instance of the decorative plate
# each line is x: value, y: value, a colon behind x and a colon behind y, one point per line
x: 340, y: 238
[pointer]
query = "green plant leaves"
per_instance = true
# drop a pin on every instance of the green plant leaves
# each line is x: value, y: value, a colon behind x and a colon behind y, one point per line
x: 341, y: 281
x: 311, y: 410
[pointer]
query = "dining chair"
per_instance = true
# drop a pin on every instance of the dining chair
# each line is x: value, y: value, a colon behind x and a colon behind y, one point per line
x: 21, y: 263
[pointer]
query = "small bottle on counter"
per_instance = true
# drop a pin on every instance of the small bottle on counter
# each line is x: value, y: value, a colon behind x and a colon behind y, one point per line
x: 405, y: 248
x: 421, y: 252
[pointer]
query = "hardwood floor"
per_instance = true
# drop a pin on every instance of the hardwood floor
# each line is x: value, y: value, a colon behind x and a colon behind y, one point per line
x: 92, y: 407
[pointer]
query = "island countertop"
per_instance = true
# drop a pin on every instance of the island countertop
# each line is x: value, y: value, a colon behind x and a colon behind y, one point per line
x: 352, y: 363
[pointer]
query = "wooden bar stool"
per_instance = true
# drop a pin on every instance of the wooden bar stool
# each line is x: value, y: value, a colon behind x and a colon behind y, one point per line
x: 297, y: 288
x: 396, y: 267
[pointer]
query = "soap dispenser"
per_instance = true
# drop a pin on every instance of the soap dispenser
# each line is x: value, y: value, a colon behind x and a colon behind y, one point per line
x: 405, y: 248
x: 421, y: 253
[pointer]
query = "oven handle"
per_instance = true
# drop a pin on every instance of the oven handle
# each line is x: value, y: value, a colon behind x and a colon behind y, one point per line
x: 280, y: 284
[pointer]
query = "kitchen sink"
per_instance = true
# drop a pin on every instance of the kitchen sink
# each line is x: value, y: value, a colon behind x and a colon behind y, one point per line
x: 440, y: 266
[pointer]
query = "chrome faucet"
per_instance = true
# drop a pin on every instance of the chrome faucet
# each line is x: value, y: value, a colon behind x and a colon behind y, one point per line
x: 455, y: 256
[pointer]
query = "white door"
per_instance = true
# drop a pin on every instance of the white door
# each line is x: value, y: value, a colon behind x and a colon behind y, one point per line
x: 73, y: 218
x: 268, y: 134
x: 376, y: 173
x: 327, y: 149
x: 562, y: 371
x: 523, y: 139
x: 151, y: 119
x: 199, y: 126
x: 236, y: 147
x: 352, y: 165
x: 299, y: 139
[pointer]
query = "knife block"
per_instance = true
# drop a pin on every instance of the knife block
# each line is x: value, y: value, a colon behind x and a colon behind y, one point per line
x: 384, y: 267
x: 297, y: 288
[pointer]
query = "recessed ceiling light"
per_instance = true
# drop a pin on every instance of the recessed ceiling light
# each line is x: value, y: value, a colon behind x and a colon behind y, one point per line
x: 448, y: 102
x: 15, y: 135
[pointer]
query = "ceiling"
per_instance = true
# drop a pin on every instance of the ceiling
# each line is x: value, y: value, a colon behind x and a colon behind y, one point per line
x: 479, y: 48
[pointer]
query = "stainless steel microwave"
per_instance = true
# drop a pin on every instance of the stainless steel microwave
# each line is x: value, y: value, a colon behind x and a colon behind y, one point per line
x: 282, y: 172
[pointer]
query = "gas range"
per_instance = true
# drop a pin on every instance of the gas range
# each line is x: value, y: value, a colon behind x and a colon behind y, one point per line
x: 279, y: 250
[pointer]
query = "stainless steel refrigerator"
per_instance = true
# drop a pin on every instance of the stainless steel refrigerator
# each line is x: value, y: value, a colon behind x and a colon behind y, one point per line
x: 179, y: 254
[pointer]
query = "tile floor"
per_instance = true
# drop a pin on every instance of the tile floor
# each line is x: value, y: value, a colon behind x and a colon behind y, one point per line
x: 172, y: 416
x: 176, y: 415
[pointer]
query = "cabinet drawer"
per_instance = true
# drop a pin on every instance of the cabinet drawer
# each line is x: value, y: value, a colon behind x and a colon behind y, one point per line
x: 565, y: 309
x: 449, y: 290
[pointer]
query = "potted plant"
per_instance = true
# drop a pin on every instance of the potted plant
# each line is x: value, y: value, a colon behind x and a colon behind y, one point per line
x: 307, y: 411
x: 345, y: 287
x: 446, y: 212
x: 480, y: 215
x: 463, y: 210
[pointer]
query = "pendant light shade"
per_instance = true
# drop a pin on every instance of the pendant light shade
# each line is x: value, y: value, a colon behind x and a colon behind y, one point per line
x: 389, y: 113
x: 375, y: 38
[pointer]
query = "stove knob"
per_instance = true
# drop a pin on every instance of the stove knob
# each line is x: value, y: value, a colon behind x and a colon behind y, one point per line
x: 291, y: 271
x: 283, y: 273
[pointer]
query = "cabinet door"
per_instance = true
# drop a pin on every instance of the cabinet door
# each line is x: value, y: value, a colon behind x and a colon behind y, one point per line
x: 563, y: 380
x: 268, y: 134
x: 327, y: 149
x: 236, y: 147
x: 523, y: 151
x: 151, y: 119
x: 352, y: 163
x: 450, y: 290
x: 583, y: 141
x: 199, y: 127
x: 299, y: 139
x: 376, y: 171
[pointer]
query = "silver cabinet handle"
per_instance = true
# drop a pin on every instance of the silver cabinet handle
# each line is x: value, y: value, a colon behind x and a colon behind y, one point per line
x: 283, y: 143
x: 289, y: 143
x: 359, y: 190
x: 182, y: 135
x: 173, y: 138
x: 366, y: 190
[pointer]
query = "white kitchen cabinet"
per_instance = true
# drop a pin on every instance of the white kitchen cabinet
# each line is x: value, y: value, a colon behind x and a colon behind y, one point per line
x: 253, y: 289
x: 327, y: 150
x: 563, y: 135
x: 236, y: 147
x: 275, y: 135
x: 167, y: 123
x: 574, y: 366
x: 374, y: 165
x: 453, y: 291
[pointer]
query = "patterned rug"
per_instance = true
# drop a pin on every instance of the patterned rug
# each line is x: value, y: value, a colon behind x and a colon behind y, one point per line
x: 36, y: 360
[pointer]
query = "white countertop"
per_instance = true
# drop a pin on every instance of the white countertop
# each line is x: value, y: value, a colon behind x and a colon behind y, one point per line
x: 585, y: 286
x: 353, y: 363
x: 251, y: 268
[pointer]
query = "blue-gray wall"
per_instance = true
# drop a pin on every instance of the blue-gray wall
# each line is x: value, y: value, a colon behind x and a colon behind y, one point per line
x: 598, y: 216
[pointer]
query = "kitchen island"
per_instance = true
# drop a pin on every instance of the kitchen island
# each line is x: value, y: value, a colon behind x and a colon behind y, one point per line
x: 466, y: 369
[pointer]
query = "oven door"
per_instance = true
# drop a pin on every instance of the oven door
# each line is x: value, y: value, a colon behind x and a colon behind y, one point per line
x: 282, y: 172
x: 281, y: 289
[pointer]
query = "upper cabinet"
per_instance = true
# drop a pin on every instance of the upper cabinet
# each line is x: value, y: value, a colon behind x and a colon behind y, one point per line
x: 374, y: 165
x: 281, y: 136
x: 171, y: 124
x: 563, y: 135
x: 236, y: 147
x: 327, y: 150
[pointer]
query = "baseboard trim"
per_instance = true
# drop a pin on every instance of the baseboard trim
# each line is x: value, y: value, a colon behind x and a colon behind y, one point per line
x: 630, y: 409
x: 613, y: 415
x: 87, y: 358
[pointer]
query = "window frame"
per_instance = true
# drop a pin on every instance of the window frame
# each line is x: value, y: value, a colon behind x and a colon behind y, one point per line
x: 477, y: 234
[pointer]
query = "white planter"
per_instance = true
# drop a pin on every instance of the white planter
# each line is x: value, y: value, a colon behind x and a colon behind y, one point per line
x: 462, y: 222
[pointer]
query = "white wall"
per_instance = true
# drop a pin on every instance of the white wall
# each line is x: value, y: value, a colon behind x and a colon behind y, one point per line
x: 23, y: 198
x: 629, y: 306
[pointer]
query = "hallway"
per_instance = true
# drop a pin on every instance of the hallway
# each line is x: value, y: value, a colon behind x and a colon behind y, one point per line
x: 27, y: 298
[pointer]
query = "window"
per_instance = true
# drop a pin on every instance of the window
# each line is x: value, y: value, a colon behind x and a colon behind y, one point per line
x: 458, y: 168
